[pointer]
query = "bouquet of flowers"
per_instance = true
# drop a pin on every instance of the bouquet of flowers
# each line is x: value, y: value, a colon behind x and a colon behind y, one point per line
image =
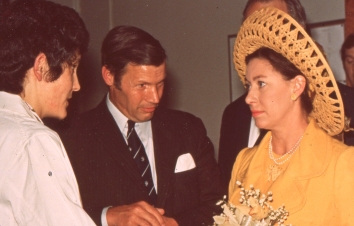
x: 254, y: 210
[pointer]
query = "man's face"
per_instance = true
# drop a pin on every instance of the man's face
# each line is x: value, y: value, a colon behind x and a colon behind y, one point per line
x: 349, y: 66
x: 259, y: 5
x: 140, y: 91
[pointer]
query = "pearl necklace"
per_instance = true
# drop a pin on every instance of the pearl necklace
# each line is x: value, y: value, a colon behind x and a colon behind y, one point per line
x: 288, y: 154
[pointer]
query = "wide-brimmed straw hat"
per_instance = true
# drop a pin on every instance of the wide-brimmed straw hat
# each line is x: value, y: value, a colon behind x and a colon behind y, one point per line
x: 274, y: 29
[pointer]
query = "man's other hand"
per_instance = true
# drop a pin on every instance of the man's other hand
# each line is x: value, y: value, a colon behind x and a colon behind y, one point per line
x: 139, y: 213
x: 170, y: 221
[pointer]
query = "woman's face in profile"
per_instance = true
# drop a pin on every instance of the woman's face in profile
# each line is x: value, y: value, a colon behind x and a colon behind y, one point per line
x: 269, y: 95
x: 58, y: 92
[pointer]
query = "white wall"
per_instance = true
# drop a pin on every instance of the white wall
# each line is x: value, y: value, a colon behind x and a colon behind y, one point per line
x: 324, y: 10
x: 194, y: 34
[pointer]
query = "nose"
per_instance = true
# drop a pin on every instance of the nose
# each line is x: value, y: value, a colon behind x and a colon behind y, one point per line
x: 76, y: 83
x: 250, y: 98
x: 154, y: 94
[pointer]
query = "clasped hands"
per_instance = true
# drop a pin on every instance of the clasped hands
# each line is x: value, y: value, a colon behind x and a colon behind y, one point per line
x: 138, y: 214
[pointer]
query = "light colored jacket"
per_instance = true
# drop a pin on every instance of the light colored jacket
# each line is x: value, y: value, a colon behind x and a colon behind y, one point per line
x: 37, y: 183
x: 316, y: 188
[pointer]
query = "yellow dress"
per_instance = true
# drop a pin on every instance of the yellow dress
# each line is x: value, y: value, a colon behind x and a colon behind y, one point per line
x: 316, y: 185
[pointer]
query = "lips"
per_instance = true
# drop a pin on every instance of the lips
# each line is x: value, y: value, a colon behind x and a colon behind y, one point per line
x: 149, y: 109
x: 256, y: 113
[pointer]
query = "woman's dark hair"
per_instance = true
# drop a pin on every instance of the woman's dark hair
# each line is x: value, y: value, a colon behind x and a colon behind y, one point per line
x: 31, y: 27
x: 287, y: 69
x: 127, y: 44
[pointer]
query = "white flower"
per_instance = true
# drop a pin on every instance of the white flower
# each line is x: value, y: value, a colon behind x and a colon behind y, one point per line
x: 254, y: 204
x: 219, y: 202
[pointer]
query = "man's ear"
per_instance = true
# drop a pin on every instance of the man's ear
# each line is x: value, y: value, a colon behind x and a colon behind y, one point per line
x: 107, y: 76
x: 40, y: 66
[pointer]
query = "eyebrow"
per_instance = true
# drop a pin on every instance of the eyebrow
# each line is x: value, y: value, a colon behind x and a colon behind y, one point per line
x: 257, y: 77
x: 149, y: 83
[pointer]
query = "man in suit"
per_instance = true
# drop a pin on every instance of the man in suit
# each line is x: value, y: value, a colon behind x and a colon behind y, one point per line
x: 347, y: 91
x: 347, y: 55
x: 238, y: 129
x: 180, y: 183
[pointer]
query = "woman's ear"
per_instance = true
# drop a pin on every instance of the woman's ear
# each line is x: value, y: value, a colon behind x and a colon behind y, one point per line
x: 299, y: 84
x: 40, y: 67
x: 107, y: 76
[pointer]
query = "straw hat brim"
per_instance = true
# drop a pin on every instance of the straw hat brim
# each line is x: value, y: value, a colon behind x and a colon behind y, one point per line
x: 273, y: 28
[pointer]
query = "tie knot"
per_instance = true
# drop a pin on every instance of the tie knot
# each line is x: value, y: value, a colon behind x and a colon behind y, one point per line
x: 131, y: 125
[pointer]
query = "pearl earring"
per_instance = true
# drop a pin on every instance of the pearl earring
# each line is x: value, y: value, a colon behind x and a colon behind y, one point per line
x: 293, y: 97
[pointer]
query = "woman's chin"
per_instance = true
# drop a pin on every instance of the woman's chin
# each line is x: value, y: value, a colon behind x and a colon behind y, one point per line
x: 260, y: 124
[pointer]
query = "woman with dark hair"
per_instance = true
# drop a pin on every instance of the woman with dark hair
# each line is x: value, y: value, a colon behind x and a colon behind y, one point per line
x: 40, y: 48
x: 293, y: 94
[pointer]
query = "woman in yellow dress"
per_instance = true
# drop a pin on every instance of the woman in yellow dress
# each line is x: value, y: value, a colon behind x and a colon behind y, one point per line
x: 292, y: 93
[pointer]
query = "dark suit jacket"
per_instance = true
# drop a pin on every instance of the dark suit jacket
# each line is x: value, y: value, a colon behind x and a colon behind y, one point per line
x: 235, y: 128
x: 347, y: 94
x: 234, y: 133
x: 108, y: 176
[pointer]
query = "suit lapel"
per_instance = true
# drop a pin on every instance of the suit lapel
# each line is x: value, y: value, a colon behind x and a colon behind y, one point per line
x: 166, y: 153
x: 241, y: 124
x: 113, y: 142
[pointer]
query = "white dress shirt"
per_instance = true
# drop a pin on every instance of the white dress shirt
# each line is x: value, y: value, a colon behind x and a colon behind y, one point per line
x: 37, y: 183
x: 144, y: 131
x: 254, y: 133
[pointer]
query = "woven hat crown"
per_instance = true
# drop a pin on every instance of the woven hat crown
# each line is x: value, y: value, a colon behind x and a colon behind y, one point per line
x: 274, y: 29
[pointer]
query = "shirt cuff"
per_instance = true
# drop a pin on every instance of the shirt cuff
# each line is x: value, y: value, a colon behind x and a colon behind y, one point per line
x: 104, y: 217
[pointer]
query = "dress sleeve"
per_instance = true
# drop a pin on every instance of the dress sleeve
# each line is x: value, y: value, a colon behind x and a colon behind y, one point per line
x: 239, y: 171
x: 41, y: 185
x: 344, y: 187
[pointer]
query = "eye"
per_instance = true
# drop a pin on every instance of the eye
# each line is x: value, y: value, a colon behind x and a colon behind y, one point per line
x: 161, y: 84
x: 261, y: 84
x: 247, y: 86
x: 349, y: 60
x: 141, y: 86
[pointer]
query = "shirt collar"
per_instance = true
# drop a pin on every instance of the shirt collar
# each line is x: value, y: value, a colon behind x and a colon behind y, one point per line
x: 15, y: 103
x: 121, y: 119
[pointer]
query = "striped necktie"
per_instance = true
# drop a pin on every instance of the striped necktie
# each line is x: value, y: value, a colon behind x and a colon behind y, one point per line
x: 136, y: 148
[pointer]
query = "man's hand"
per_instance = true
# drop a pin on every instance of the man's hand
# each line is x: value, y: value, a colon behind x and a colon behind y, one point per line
x: 140, y: 213
x: 170, y: 221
